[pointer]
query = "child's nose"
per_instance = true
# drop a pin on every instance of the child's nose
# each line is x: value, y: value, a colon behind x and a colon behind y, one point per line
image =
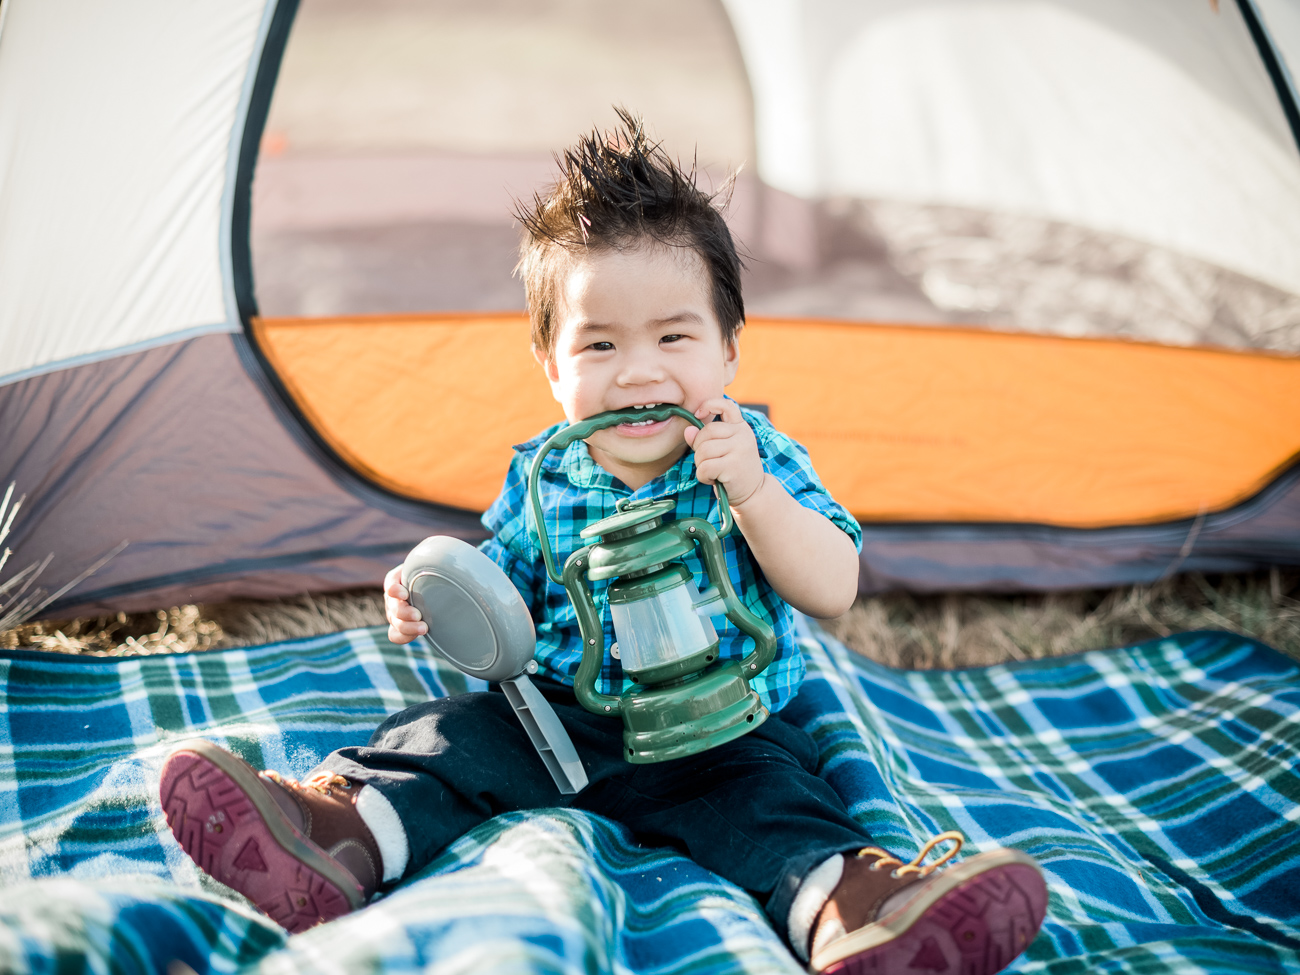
x: 640, y: 369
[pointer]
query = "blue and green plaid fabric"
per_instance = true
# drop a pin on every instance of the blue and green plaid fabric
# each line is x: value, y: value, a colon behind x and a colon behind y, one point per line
x: 576, y: 492
x: 1156, y: 785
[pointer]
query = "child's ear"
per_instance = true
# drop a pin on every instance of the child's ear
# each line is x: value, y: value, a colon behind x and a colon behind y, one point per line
x: 547, y: 363
x: 731, y: 360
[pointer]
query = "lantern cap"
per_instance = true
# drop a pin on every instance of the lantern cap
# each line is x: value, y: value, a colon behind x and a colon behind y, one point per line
x: 631, y: 515
x: 641, y: 548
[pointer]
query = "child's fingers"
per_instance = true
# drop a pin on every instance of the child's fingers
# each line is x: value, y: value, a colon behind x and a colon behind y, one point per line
x: 393, y: 584
x: 402, y: 630
x: 719, y: 431
x: 714, y: 446
x: 399, y: 636
x: 403, y: 618
x: 401, y: 610
x: 718, y: 455
x: 739, y: 484
x: 726, y: 408
x: 706, y: 473
x: 397, y: 607
x: 728, y: 453
x: 404, y: 623
x: 713, y: 460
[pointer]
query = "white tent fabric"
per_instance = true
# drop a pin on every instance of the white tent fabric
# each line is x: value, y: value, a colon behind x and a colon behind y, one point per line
x: 118, y: 125
x: 1168, y: 131
x: 131, y: 405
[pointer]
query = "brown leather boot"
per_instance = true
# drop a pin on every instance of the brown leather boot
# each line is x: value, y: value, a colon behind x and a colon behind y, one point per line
x: 972, y: 918
x: 299, y: 851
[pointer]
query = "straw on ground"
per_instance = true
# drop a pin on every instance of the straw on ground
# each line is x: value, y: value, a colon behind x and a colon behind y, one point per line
x: 920, y: 632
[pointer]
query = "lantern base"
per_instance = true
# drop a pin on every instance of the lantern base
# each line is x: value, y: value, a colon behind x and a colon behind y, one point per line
x: 663, y: 723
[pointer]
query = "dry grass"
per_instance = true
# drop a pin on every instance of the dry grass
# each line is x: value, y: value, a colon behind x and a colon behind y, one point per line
x: 950, y: 631
x: 916, y: 632
x: 20, y: 597
x: 176, y: 630
x: 250, y: 623
x: 181, y: 629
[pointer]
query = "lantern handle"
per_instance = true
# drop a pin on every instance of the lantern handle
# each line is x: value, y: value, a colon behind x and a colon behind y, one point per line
x: 593, y: 638
x: 715, y: 564
x: 581, y: 431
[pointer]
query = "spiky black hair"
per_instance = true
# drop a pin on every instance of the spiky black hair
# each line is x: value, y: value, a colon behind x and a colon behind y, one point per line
x: 615, y: 191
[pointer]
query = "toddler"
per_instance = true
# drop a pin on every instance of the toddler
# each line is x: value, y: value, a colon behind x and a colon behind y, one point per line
x: 633, y: 288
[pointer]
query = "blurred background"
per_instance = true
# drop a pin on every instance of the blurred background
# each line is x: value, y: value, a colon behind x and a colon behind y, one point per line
x: 401, y: 131
x: 1089, y: 168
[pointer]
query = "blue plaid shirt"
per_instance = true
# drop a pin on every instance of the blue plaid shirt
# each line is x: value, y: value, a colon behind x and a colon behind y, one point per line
x: 575, y: 492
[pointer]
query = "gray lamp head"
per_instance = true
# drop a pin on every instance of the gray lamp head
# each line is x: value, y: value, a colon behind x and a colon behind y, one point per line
x: 476, y: 617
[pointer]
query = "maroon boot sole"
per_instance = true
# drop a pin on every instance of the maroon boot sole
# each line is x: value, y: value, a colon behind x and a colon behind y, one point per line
x: 223, y: 817
x: 974, y: 918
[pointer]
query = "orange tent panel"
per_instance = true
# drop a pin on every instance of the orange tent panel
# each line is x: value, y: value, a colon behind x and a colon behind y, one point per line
x: 903, y: 423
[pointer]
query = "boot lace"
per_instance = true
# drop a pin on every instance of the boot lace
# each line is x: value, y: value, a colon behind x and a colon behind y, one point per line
x: 322, y: 782
x: 901, y: 869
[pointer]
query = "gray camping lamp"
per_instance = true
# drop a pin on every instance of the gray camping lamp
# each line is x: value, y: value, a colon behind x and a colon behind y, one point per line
x: 477, y: 620
x: 684, y: 700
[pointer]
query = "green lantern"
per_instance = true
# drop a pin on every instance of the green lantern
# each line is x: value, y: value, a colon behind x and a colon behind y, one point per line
x: 685, y: 700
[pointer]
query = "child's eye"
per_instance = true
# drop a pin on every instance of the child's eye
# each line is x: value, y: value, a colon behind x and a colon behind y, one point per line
x: 601, y: 346
x: 672, y: 338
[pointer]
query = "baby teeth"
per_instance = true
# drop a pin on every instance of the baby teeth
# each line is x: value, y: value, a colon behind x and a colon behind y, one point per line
x: 642, y: 423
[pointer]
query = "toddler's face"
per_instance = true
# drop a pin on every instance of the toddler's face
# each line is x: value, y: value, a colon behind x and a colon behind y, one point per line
x: 636, y: 328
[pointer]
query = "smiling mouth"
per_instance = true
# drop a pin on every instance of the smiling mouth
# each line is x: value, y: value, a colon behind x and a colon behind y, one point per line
x: 646, y: 406
x: 643, y: 425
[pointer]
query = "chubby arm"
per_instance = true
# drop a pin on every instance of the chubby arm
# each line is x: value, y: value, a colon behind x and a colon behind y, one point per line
x: 810, y: 562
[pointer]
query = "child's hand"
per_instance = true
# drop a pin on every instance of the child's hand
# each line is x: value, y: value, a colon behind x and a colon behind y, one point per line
x: 404, y: 623
x: 726, y: 451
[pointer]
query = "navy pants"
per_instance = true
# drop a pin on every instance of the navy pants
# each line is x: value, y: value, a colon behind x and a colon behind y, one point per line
x: 752, y: 810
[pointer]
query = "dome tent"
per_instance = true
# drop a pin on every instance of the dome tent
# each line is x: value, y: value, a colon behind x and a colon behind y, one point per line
x: 142, y: 398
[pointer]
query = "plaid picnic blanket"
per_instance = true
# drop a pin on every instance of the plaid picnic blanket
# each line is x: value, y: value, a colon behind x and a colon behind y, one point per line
x: 1156, y: 785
